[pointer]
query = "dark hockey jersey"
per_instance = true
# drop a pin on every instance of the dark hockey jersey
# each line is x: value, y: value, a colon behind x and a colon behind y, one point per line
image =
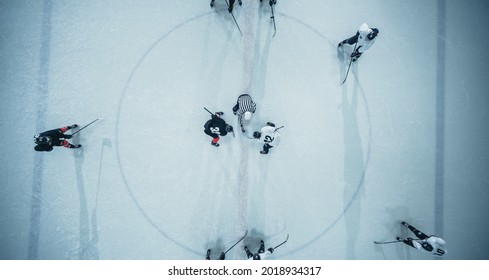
x: 216, y: 125
x: 57, y: 139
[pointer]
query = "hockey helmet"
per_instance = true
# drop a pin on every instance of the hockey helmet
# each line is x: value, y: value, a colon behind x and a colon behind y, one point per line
x: 440, y: 252
x: 271, y: 124
x: 373, y: 34
x: 256, y: 135
x: 364, y: 28
x: 248, y: 115
x: 256, y: 257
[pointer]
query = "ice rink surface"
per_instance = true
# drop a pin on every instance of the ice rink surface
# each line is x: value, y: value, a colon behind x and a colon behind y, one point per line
x: 405, y: 138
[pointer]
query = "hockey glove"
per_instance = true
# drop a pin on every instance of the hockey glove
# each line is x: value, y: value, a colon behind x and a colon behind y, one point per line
x: 271, y: 250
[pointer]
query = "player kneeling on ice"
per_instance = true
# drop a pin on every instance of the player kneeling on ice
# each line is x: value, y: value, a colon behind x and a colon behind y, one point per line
x: 261, y: 255
x: 269, y: 136
x: 217, y: 126
x: 55, y: 137
x: 363, y: 40
x: 244, y: 109
x: 431, y: 244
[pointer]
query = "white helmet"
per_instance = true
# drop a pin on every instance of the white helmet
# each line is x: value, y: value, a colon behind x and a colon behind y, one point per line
x: 248, y: 115
x: 365, y: 28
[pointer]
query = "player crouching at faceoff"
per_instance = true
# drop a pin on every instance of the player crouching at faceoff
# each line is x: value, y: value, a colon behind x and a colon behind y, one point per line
x: 217, y: 126
x: 55, y: 137
x: 431, y: 244
x: 269, y: 136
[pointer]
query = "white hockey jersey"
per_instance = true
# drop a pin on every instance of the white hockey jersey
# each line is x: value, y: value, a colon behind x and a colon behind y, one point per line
x: 436, y: 242
x: 363, y: 42
x: 270, y: 136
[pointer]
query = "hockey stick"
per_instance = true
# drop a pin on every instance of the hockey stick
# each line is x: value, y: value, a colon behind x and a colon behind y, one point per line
x: 274, y: 26
x: 274, y: 131
x: 208, y: 111
x: 279, y: 127
x: 246, y: 232
x: 389, y: 242
x: 282, y: 242
x: 83, y: 127
x: 237, y: 25
x: 349, y: 65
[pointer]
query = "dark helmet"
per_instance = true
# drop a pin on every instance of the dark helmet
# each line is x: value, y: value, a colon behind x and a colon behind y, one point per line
x: 271, y: 124
x: 440, y: 252
x: 256, y: 257
x: 373, y: 34
x: 256, y: 135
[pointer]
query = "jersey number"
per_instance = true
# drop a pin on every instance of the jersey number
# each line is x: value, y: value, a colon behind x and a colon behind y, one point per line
x: 268, y: 139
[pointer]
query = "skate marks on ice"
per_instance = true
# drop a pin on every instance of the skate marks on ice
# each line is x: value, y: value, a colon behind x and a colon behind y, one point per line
x: 357, y: 141
x: 42, y: 97
x: 161, y: 229
x: 166, y: 229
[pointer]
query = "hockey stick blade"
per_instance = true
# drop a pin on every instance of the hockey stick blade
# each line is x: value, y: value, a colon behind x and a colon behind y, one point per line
x: 286, y: 239
x: 347, y: 71
x: 386, y: 242
x: 246, y: 233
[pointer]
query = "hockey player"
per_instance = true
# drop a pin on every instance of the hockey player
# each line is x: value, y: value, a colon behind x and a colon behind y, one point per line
x: 55, y: 137
x: 432, y: 244
x: 269, y: 136
x: 244, y: 109
x: 217, y: 126
x: 261, y: 255
x: 364, y: 39
x: 271, y: 2
x: 208, y: 255
x: 231, y: 4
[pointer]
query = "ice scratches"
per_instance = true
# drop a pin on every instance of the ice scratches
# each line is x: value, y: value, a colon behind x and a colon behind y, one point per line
x: 146, y: 216
x: 42, y: 96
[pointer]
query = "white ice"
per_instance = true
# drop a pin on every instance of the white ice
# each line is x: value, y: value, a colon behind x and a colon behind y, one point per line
x: 405, y: 138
